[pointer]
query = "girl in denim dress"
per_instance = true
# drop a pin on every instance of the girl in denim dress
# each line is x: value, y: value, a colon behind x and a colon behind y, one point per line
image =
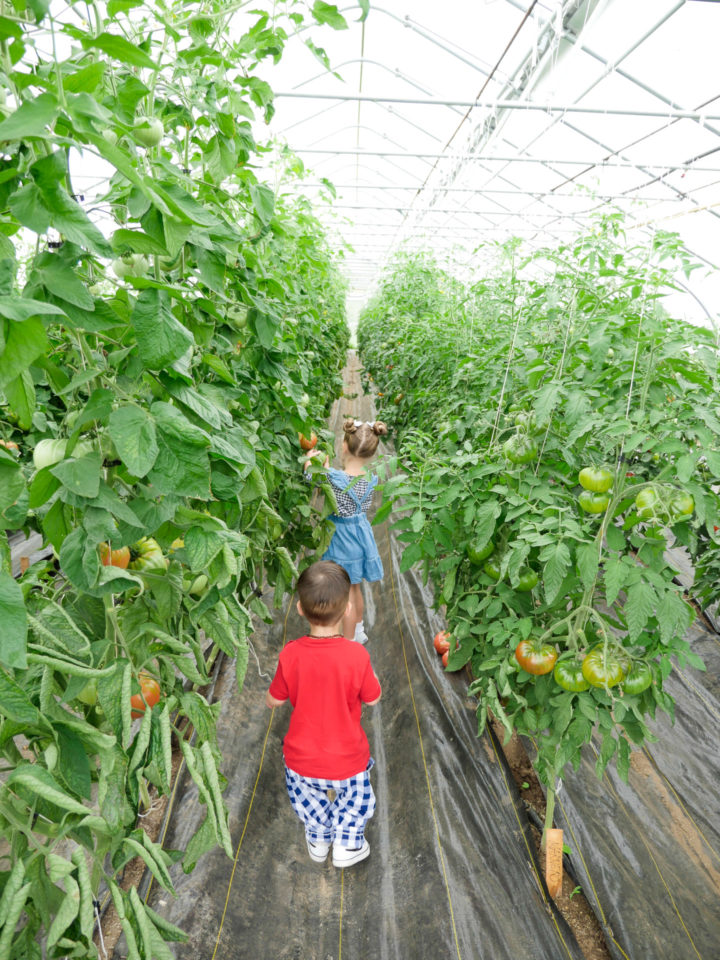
x: 353, y: 545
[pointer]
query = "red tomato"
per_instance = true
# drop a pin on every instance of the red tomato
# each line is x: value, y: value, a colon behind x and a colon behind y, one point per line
x: 442, y: 641
x: 305, y: 443
x: 150, y: 692
x: 115, y: 558
x: 445, y: 658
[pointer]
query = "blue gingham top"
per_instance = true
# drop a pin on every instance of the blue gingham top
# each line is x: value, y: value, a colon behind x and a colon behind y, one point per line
x: 346, y: 505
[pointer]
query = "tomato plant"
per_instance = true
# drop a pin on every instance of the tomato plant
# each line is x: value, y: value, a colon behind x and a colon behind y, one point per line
x: 139, y: 426
x: 604, y: 577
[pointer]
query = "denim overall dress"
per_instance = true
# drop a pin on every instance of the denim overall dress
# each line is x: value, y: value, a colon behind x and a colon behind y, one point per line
x: 353, y: 544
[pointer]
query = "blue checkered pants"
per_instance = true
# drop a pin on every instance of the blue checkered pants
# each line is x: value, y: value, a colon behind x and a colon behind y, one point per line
x: 341, y: 820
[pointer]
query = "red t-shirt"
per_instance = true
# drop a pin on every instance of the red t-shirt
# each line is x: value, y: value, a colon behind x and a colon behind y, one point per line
x: 326, y: 679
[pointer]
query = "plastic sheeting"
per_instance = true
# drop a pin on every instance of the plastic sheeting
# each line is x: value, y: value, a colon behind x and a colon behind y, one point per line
x: 452, y: 870
x: 647, y: 853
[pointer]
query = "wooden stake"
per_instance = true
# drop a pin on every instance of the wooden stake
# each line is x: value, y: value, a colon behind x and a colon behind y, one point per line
x: 24, y: 564
x: 553, y: 861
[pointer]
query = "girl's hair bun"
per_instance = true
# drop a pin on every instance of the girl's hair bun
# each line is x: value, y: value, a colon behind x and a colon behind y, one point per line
x: 379, y: 428
x: 349, y: 426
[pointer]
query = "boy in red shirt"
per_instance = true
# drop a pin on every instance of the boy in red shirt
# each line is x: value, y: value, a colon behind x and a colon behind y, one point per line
x: 327, y: 678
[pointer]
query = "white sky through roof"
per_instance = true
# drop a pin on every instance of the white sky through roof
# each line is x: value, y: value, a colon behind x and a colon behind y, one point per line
x: 614, y: 79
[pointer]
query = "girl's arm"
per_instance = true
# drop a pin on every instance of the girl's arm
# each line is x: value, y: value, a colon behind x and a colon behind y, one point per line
x: 315, y: 453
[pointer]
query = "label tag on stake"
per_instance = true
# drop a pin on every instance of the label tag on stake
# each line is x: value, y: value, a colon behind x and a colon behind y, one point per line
x: 553, y: 861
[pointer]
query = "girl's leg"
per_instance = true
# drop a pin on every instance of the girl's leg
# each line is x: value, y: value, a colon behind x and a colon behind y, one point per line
x: 356, y: 614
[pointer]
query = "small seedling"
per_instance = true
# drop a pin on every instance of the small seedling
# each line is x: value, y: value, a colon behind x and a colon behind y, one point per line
x: 525, y: 785
x: 566, y: 850
x: 576, y: 890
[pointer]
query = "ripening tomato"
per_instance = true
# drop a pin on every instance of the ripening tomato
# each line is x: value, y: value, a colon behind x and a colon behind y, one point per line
x: 593, y: 502
x: 603, y: 668
x: 149, y: 695
x: 568, y: 675
x: 442, y: 641
x: 535, y: 657
x: 115, y: 558
x: 477, y: 554
x: 147, y: 556
x: 307, y: 444
x: 638, y: 678
x: 596, y: 479
x: 10, y: 445
x: 520, y: 449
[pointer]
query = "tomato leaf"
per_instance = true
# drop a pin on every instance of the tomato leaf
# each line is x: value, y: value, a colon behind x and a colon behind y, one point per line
x: 31, y: 119
x: 639, y: 607
x: 161, y: 338
x: 586, y: 556
x: 555, y: 569
x: 132, y: 430
x: 329, y: 13
x: 81, y: 476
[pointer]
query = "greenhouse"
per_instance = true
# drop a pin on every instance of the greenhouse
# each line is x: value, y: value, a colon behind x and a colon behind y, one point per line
x: 359, y: 480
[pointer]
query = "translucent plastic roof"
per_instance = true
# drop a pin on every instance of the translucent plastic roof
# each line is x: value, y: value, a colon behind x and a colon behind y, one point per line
x: 451, y: 125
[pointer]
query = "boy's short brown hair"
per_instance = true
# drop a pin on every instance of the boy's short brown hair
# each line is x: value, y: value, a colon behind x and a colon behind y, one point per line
x: 323, y: 591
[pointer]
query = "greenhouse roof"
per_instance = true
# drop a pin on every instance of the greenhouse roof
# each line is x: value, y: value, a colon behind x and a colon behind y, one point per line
x: 458, y: 125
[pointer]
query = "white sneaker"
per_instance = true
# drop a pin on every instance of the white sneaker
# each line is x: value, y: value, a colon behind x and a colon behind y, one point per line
x: 346, y: 856
x: 318, y: 850
x: 360, y: 635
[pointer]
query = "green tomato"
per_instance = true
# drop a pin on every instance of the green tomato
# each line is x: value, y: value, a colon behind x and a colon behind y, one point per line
x: 49, y: 452
x: 110, y: 136
x: 647, y: 503
x: 603, y: 668
x: 130, y: 265
x: 682, y: 506
x: 525, y: 418
x: 568, y: 675
x: 527, y: 579
x: 593, y: 502
x: 638, y: 678
x: 148, y: 131
x: 199, y: 586
x: 148, y: 556
x: 520, y: 449
x: 492, y: 569
x: 477, y: 554
x: 88, y: 695
x: 597, y: 479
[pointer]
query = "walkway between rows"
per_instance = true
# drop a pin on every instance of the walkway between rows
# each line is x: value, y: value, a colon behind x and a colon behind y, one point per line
x: 451, y: 873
